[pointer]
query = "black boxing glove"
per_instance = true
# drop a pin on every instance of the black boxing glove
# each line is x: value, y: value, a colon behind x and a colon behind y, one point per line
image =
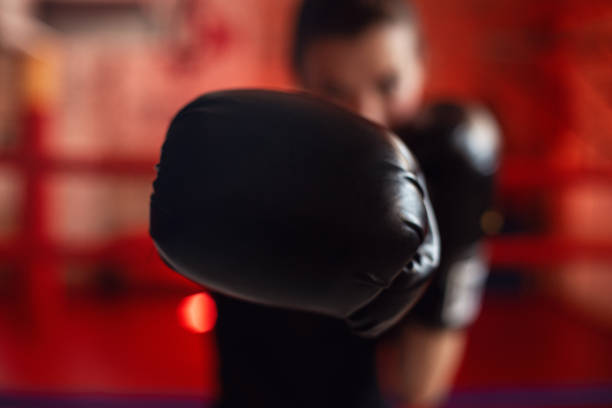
x: 458, y: 148
x: 289, y: 201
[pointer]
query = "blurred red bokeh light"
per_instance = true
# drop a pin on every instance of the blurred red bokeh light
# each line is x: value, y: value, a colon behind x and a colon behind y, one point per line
x: 198, y: 313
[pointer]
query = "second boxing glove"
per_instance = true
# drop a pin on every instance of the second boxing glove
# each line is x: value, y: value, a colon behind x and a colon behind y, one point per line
x: 458, y: 147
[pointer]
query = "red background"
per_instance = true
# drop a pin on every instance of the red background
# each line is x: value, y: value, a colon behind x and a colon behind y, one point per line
x: 88, y: 308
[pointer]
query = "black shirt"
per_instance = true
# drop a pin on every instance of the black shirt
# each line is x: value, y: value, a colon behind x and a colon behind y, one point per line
x: 278, y: 358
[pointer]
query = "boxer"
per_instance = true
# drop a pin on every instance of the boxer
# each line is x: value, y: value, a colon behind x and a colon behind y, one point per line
x: 366, y: 56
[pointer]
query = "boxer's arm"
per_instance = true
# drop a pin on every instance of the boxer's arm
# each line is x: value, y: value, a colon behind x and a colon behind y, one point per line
x: 417, y: 366
x: 418, y: 361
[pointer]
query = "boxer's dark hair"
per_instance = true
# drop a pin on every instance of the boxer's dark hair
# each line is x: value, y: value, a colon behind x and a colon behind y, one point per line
x: 317, y: 19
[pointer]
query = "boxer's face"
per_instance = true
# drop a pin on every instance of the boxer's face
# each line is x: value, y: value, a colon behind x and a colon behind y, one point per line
x: 377, y: 73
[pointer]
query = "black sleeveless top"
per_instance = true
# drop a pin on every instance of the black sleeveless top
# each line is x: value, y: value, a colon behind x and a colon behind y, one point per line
x: 278, y: 358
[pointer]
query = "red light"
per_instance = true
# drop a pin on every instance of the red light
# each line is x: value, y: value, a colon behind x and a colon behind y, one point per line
x: 198, y: 313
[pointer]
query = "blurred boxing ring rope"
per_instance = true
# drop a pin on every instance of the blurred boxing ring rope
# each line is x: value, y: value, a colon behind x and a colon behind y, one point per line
x: 505, y: 250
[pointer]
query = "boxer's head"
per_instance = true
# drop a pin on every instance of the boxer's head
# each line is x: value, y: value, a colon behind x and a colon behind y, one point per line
x: 363, y: 54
